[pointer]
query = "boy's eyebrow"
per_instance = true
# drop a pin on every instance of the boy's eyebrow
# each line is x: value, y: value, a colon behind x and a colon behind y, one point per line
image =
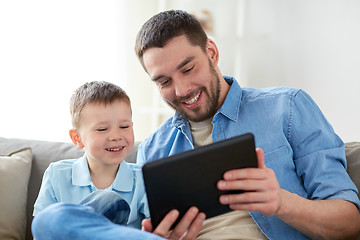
x: 179, y: 66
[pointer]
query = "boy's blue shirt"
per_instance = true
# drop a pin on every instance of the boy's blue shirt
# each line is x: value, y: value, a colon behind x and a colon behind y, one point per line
x: 300, y: 145
x: 69, y: 181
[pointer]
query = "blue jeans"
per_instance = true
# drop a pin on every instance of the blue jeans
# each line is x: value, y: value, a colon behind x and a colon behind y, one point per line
x: 110, y: 204
x: 98, y: 216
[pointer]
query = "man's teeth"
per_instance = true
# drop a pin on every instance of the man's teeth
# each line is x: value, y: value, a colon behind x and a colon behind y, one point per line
x: 114, y: 149
x: 194, y: 99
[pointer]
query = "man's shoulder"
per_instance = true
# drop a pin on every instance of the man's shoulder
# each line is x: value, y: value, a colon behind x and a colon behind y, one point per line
x: 159, y: 143
x: 254, y: 93
x: 136, y: 168
x: 161, y: 134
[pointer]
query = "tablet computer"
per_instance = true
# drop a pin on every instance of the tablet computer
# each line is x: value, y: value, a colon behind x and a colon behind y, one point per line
x: 189, y: 178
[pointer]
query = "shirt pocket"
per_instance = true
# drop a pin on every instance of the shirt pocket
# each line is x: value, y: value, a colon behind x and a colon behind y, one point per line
x: 276, y: 155
x: 281, y: 162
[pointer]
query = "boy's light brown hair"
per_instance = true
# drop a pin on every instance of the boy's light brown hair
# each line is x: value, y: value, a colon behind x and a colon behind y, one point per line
x: 94, y: 92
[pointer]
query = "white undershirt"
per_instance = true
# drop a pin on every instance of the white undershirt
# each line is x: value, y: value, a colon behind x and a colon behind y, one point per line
x: 201, y: 132
x: 232, y: 225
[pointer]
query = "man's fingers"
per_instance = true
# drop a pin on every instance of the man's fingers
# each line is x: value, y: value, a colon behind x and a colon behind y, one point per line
x: 260, y: 158
x: 195, y: 227
x: 185, y: 223
x: 250, y: 180
x: 164, y: 227
x: 187, y: 228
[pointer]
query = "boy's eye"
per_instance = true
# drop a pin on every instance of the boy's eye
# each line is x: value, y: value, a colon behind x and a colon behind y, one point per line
x: 101, y: 129
x: 125, y: 126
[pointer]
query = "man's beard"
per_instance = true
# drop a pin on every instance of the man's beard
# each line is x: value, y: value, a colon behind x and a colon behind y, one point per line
x: 212, y: 105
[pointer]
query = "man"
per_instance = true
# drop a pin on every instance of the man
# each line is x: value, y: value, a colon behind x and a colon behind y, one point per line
x: 301, y: 189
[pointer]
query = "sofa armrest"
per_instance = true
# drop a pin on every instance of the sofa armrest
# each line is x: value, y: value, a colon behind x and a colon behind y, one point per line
x: 352, y: 150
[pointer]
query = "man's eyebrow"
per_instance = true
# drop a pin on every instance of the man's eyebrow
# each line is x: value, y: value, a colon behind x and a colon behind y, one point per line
x: 186, y: 61
x: 183, y: 63
x: 156, y: 78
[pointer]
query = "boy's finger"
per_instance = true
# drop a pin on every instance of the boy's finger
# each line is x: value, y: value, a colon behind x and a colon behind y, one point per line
x: 146, y: 225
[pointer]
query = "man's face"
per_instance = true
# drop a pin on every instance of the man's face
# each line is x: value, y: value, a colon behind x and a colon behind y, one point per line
x: 186, y: 78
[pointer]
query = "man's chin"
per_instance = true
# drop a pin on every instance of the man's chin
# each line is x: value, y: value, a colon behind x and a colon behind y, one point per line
x: 194, y: 116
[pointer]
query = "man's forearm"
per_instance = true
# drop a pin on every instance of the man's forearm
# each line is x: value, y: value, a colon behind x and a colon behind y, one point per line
x: 320, y: 219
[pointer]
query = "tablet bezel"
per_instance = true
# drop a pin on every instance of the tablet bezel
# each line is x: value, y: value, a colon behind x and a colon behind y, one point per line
x: 169, y: 182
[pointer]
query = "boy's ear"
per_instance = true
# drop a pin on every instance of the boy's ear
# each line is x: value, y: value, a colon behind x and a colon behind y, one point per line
x: 75, y: 138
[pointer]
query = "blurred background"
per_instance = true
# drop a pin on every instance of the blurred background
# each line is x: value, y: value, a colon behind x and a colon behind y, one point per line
x: 49, y: 48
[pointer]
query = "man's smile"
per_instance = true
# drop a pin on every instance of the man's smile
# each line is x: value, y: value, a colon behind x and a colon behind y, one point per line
x: 193, y: 100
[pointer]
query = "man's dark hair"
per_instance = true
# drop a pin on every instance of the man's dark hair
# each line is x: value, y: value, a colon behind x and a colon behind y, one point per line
x: 164, y: 26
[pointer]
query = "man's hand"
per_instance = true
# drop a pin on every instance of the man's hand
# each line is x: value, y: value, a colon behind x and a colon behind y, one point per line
x: 318, y: 219
x: 188, y: 227
x: 262, y: 190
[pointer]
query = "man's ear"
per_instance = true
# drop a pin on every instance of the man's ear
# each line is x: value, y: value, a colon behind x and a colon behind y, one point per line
x: 75, y: 138
x: 212, y: 51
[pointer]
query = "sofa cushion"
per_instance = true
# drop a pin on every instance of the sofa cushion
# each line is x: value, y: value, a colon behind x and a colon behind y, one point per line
x: 352, y: 150
x: 44, y: 153
x: 15, y: 171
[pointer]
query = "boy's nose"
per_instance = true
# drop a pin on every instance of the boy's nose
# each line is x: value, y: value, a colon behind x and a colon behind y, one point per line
x: 115, y: 135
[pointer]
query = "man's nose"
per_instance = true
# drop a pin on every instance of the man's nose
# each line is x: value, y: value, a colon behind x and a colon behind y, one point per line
x: 182, y: 86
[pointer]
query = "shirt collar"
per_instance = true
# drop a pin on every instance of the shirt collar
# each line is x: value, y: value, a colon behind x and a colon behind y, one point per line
x: 80, y: 172
x: 230, y: 107
x: 124, y: 179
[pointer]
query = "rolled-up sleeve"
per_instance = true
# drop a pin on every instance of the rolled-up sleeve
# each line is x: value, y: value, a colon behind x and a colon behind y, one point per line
x: 319, y: 153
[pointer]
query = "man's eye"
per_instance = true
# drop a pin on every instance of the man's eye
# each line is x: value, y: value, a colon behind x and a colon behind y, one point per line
x: 163, y: 83
x: 188, y: 69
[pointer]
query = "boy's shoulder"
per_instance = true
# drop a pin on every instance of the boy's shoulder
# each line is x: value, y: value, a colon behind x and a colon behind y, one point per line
x: 62, y: 164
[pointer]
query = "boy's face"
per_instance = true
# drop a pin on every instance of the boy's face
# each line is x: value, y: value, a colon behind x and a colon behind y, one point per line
x: 106, y: 132
x: 186, y: 77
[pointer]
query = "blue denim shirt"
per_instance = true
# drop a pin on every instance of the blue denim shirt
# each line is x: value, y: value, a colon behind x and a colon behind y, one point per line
x: 300, y: 145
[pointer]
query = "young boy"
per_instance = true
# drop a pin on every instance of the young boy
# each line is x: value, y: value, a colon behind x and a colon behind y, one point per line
x: 102, y: 125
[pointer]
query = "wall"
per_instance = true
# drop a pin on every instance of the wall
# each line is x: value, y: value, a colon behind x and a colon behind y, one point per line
x: 313, y: 45
x: 48, y: 48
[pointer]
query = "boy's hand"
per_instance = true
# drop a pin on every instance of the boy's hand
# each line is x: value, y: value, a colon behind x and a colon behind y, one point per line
x: 188, y: 227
